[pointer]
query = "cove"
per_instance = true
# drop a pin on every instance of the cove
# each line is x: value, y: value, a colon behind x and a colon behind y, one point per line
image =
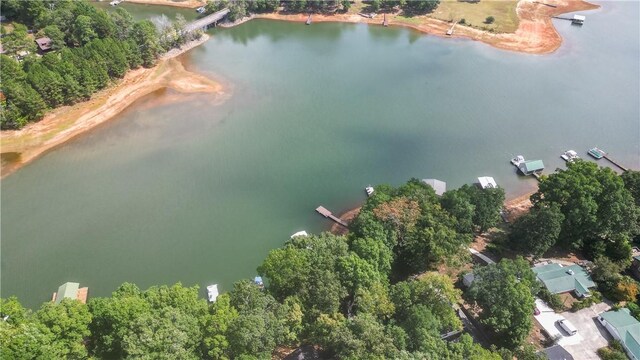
x: 198, y: 191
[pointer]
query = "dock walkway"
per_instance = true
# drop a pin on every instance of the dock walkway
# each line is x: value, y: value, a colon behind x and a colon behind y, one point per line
x: 615, y: 163
x: 204, y: 22
x: 326, y: 213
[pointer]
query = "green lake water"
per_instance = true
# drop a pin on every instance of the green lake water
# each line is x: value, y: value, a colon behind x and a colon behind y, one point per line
x: 199, y: 192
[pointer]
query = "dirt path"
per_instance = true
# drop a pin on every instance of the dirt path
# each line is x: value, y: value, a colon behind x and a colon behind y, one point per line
x: 19, y: 147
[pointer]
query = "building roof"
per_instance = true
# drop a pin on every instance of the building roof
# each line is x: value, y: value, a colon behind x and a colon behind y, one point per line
x: 559, y: 279
x: 487, y: 182
x: 44, y: 43
x: 579, y: 17
x: 627, y: 327
x: 67, y: 290
x: 531, y: 166
x: 439, y: 186
x: 557, y: 352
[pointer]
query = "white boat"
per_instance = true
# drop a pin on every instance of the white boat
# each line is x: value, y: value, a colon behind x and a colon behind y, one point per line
x: 369, y: 189
x: 299, y: 233
x: 115, y: 2
x: 517, y: 160
x: 200, y: 10
x: 570, y: 156
x: 212, y: 292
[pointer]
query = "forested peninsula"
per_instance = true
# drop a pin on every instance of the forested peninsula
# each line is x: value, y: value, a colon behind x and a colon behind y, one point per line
x: 85, y: 50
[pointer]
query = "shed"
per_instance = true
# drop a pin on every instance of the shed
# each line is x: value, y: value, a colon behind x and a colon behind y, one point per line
x: 258, y: 281
x: 578, y: 19
x: 487, y: 182
x: 44, y: 44
x: 439, y: 186
x: 560, y: 279
x: 468, y: 279
x: 625, y: 328
x: 530, y: 167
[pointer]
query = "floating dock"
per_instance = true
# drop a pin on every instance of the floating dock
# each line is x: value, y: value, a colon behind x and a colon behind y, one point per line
x: 450, y: 31
x: 601, y: 154
x: 385, y: 23
x: 308, y: 20
x: 326, y: 213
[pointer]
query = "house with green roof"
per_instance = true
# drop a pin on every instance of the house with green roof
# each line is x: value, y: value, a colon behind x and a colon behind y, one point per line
x: 561, y: 279
x: 530, y: 167
x: 624, y: 328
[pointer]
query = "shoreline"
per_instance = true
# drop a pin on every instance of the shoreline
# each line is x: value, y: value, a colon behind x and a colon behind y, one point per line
x: 20, y: 147
x: 535, y: 34
x: 189, y: 4
x: 513, y: 208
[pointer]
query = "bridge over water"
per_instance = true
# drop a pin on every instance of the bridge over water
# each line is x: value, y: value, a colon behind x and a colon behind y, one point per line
x: 204, y: 22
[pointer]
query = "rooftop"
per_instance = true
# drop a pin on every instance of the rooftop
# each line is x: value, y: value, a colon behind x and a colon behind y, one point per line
x: 627, y: 327
x: 439, y: 186
x: 487, y: 182
x: 531, y: 166
x: 44, y: 43
x: 559, y: 279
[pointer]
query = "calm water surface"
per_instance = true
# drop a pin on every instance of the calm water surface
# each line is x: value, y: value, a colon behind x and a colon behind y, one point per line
x: 199, y: 192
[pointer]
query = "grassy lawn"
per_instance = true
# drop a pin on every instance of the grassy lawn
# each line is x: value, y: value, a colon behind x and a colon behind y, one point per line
x: 504, y: 12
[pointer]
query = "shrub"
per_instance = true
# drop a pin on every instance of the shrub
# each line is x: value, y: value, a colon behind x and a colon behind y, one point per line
x: 553, y: 300
x: 462, y: 21
x: 489, y: 20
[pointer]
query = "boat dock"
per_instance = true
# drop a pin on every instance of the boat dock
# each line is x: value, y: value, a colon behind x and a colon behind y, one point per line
x: 385, y: 23
x: 326, y: 213
x: 308, y: 22
x: 601, y: 154
x: 615, y: 163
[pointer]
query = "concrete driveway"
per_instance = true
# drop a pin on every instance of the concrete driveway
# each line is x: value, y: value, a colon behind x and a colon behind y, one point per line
x: 590, y: 337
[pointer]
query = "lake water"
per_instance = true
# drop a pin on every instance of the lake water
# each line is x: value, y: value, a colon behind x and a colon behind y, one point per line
x: 199, y: 192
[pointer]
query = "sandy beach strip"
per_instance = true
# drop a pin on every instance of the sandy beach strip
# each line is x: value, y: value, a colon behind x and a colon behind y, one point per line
x: 67, y: 122
x: 191, y: 4
x: 535, y: 34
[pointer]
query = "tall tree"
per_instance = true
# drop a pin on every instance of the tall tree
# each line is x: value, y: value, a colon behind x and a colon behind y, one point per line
x: 538, y: 230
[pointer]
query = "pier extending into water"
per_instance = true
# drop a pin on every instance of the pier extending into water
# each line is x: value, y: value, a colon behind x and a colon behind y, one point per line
x: 326, y: 213
x: 606, y: 156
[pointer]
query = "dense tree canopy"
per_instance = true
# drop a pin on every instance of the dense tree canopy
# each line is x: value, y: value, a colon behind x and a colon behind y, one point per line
x: 90, y: 47
x: 505, y: 292
x: 538, y: 230
x: 600, y: 215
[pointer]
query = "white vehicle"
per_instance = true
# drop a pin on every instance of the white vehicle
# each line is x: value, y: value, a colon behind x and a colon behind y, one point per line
x: 212, y: 292
x: 369, y: 189
x: 568, y: 327
x: 517, y: 160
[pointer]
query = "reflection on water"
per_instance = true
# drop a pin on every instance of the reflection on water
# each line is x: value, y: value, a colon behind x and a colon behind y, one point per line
x: 185, y: 188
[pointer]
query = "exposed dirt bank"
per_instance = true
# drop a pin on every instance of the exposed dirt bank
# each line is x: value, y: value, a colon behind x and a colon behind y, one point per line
x: 535, y: 34
x: 62, y: 124
x: 177, y: 3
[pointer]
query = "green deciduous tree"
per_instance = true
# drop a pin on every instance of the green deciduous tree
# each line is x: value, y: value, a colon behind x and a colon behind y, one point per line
x: 505, y: 292
x: 538, y: 230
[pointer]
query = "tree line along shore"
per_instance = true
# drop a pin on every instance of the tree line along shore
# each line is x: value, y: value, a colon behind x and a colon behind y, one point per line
x: 388, y: 289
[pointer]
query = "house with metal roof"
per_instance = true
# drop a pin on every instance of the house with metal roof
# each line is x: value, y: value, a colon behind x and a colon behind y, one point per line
x: 555, y: 352
x: 531, y: 166
x: 561, y: 279
x: 624, y: 328
x: 70, y: 290
x: 438, y: 186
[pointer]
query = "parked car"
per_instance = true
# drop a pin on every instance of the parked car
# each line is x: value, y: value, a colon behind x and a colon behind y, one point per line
x: 568, y: 327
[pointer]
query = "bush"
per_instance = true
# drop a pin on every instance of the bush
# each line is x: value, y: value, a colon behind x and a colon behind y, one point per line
x: 613, y: 352
x: 489, y: 20
x: 553, y: 300
x: 462, y: 21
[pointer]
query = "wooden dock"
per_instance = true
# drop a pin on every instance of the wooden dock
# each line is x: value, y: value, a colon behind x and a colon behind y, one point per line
x: 308, y: 22
x: 615, y: 163
x: 326, y: 213
x: 385, y: 23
